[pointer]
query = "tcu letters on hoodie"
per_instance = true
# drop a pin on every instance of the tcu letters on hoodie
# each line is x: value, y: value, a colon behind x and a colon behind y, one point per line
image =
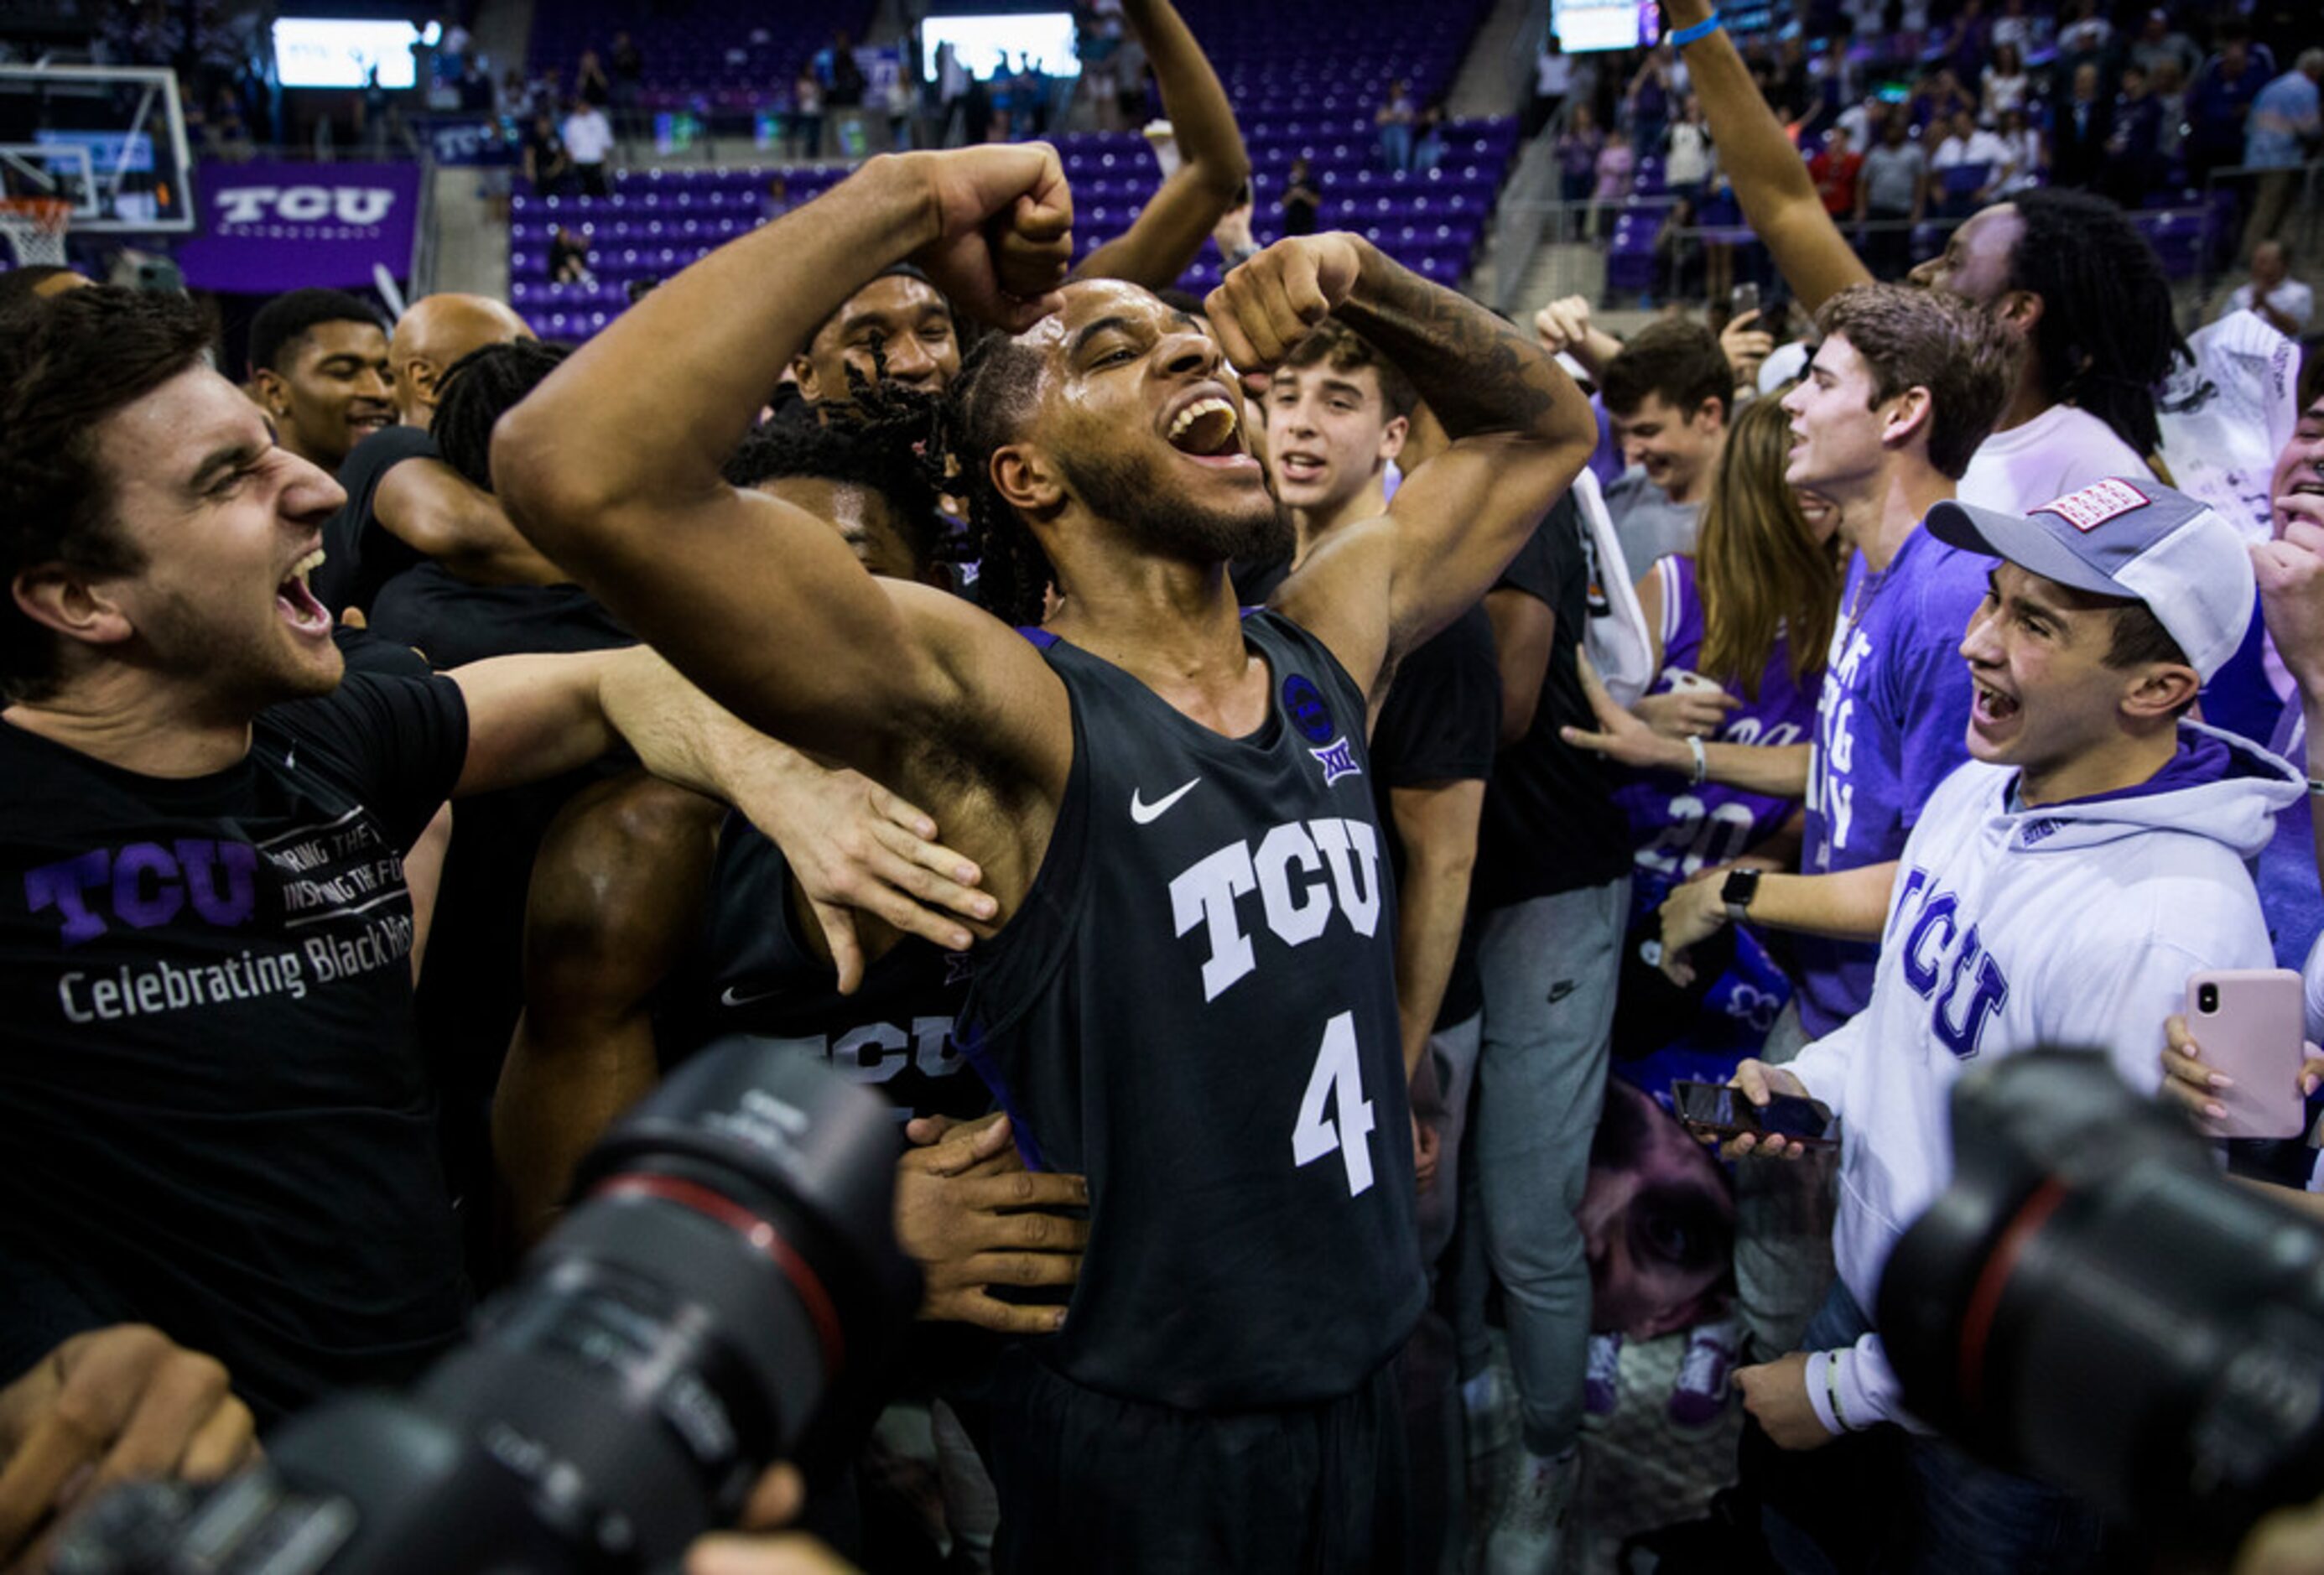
x: 2074, y: 924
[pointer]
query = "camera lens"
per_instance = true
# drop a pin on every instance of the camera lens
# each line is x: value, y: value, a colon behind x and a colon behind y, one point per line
x: 726, y: 1286
x: 2089, y: 1302
x: 2207, y: 998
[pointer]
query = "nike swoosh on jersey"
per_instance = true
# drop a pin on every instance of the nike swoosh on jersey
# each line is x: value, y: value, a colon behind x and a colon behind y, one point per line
x: 732, y: 997
x: 1146, y: 814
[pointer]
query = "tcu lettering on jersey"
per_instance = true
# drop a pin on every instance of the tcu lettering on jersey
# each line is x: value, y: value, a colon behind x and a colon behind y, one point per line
x: 1946, y: 963
x: 876, y: 1052
x: 1297, y: 897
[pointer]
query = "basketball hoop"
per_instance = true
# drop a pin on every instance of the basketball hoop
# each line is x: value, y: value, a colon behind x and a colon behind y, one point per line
x: 34, y: 228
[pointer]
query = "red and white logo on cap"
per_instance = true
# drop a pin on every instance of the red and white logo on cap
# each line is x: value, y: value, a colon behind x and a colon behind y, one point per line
x: 2096, y: 503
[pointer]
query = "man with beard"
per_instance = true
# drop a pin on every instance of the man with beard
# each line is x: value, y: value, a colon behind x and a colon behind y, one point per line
x: 319, y: 368
x: 1186, y: 992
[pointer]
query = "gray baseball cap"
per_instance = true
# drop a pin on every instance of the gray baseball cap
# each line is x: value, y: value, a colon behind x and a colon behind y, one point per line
x: 2131, y: 538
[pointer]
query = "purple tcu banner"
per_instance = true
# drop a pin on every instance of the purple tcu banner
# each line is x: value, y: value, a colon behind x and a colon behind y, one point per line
x: 266, y: 227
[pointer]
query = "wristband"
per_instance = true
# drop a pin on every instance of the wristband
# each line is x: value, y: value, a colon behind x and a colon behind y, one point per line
x: 1831, y: 1390
x: 2316, y: 787
x: 1700, y: 30
x: 1702, y: 763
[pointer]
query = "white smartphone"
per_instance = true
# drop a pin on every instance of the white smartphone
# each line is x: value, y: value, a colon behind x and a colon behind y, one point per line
x: 2249, y: 1023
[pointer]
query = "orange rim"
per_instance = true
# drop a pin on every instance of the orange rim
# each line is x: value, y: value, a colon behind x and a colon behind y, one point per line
x: 49, y: 215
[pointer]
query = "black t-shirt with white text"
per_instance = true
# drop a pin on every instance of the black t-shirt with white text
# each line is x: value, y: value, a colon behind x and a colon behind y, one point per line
x: 213, y: 1103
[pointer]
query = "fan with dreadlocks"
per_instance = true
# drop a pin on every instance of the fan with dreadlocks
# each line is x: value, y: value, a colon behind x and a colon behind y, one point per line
x: 2107, y: 337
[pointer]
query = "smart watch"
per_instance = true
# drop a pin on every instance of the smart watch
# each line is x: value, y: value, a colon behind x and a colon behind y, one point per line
x: 1737, y: 892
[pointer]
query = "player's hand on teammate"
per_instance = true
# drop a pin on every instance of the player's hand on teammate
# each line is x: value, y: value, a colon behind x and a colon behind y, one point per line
x: 973, y: 1216
x: 1775, y: 1394
x: 110, y: 1406
x: 1691, y: 914
x: 1758, y: 1081
x: 1007, y: 222
x: 1696, y: 711
x: 2291, y: 573
x: 1268, y: 304
x: 2192, y: 1085
x: 853, y: 844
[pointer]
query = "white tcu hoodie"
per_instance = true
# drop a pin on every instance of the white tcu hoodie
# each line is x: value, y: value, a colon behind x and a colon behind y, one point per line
x: 2073, y: 923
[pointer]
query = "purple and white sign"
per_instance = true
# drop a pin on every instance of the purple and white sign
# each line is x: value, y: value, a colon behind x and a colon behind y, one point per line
x: 268, y: 227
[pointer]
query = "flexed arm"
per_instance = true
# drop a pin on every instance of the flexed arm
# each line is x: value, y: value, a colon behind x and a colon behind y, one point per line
x: 613, y: 465
x: 1519, y: 430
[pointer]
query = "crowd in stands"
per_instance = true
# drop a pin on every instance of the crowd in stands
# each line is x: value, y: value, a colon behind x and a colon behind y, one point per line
x: 424, y: 735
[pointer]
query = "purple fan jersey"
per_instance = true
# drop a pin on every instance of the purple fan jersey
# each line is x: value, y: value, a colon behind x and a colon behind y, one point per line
x: 1892, y: 724
x: 1679, y: 828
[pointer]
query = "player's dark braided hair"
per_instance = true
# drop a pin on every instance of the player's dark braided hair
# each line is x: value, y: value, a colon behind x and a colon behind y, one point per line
x: 877, y: 440
x: 2107, y: 336
x: 478, y: 390
x: 983, y: 409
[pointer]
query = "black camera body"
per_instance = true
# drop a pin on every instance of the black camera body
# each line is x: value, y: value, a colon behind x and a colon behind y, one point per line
x: 727, y: 1283
x: 2091, y: 1303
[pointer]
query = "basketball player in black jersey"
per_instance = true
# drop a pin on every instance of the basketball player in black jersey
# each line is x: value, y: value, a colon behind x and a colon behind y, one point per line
x: 1187, y: 990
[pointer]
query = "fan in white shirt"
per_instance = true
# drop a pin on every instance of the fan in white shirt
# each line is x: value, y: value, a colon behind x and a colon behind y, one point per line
x: 1969, y: 143
x: 589, y: 135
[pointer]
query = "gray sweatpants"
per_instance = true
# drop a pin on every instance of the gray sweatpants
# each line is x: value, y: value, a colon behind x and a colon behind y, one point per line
x: 1549, y: 967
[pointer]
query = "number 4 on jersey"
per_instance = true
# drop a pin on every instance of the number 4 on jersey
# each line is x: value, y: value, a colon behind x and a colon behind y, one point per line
x: 1339, y: 1076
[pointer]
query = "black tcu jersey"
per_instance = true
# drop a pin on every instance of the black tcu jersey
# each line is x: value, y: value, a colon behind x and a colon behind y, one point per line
x: 1195, y: 1007
x: 759, y: 976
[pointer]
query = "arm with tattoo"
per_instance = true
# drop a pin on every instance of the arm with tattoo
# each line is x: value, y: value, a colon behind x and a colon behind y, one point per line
x: 1519, y: 432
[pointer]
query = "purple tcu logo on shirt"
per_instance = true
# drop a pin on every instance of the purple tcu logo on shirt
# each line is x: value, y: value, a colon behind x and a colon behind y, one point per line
x: 146, y: 884
x: 1947, y: 967
x: 1308, y: 713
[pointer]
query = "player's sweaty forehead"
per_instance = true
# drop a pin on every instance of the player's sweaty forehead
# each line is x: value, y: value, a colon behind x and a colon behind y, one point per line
x: 1091, y: 303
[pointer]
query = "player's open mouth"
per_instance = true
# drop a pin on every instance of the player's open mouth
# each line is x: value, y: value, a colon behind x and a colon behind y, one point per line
x: 296, y: 601
x: 1298, y: 467
x: 1207, y: 428
x: 1992, y: 706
